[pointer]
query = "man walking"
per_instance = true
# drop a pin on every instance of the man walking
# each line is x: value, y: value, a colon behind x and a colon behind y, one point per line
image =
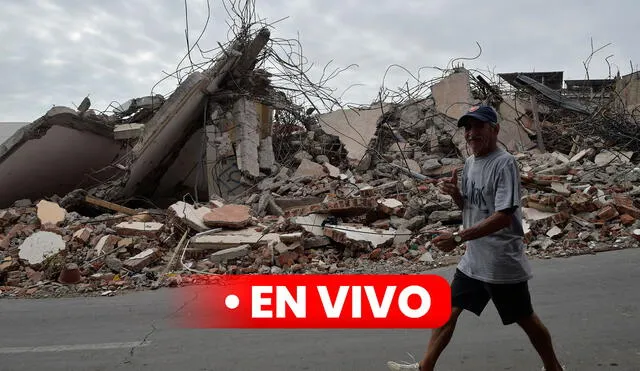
x: 494, y: 266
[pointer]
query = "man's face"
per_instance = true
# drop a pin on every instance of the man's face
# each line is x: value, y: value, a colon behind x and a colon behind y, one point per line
x: 480, y: 136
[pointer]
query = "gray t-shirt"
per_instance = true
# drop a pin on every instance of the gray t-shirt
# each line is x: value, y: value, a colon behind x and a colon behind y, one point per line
x: 492, y: 183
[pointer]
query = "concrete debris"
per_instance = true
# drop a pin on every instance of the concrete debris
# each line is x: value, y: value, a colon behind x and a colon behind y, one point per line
x: 38, y: 246
x: 150, y: 229
x: 127, y: 131
x: 359, y: 236
x: 229, y: 254
x: 139, y: 261
x: 278, y: 189
x: 228, y: 216
x: 50, y: 213
x: 191, y: 216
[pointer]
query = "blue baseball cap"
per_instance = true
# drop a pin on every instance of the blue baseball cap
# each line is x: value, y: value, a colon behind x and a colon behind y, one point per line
x: 482, y: 113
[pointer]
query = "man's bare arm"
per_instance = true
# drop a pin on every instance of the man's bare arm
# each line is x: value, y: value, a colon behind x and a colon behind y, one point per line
x: 457, y: 198
x: 492, y: 224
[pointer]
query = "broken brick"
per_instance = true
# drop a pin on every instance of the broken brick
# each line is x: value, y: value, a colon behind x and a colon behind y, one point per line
x: 106, y: 244
x: 581, y: 202
x: 627, y: 219
x: 607, y: 213
x: 391, y: 206
x: 375, y: 254
x: 82, y: 235
x: 624, y: 205
x: 287, y: 259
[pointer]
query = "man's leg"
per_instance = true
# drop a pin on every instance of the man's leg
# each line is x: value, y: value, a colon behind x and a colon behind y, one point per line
x: 439, y: 340
x: 541, y: 340
x: 466, y: 293
x: 513, y: 302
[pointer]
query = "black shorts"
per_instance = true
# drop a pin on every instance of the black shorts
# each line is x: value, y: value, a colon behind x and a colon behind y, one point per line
x: 512, y: 301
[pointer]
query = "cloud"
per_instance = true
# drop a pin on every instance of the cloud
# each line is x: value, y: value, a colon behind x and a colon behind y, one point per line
x: 57, y: 52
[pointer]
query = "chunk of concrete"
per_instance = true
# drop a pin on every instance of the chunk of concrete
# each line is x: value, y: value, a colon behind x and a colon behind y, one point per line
x: 246, y: 118
x: 219, y: 241
x: 445, y: 216
x: 310, y: 169
x: 357, y: 233
x: 607, y: 157
x: 534, y: 214
x: 391, y: 206
x: 150, y: 229
x: 290, y: 238
x: 106, y: 244
x: 229, y: 254
x: 413, y: 165
x: 193, y: 217
x: 40, y: 245
x: 431, y: 164
x: 333, y: 171
x: 311, y: 223
x: 426, y: 257
x: 50, y: 213
x: 355, y: 128
x: 561, y: 188
x: 165, y: 132
x: 452, y: 95
x: 554, y: 231
x: 82, y: 235
x: 138, y: 262
x: 127, y: 131
x: 228, y: 216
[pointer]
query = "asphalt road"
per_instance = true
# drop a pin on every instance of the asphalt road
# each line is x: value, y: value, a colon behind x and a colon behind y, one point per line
x: 590, y: 304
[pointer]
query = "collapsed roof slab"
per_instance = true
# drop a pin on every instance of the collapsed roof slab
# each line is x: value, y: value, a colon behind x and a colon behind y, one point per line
x: 54, y: 155
x: 355, y: 128
x: 453, y: 97
x: 512, y: 134
x: 165, y: 134
x: 551, y: 79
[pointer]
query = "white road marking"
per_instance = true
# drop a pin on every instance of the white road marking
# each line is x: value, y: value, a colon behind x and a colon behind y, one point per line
x: 67, y: 348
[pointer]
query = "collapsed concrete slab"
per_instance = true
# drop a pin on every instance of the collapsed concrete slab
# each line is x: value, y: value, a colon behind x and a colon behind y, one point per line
x: 355, y: 128
x: 227, y: 239
x: 56, y: 154
x: 228, y: 216
x: 359, y: 235
x: 512, y: 134
x: 165, y: 134
x: 453, y: 98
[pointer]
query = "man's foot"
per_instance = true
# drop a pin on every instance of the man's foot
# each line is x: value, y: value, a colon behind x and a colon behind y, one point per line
x: 403, y: 366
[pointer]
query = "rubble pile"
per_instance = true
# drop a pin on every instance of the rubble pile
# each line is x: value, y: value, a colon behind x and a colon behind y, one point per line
x: 278, y: 189
x: 42, y: 246
x: 316, y: 219
x: 586, y: 203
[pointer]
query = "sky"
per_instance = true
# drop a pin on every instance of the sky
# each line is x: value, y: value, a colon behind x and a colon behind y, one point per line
x: 54, y: 53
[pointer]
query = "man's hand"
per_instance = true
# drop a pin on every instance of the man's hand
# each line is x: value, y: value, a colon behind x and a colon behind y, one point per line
x: 449, y: 186
x: 444, y: 242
